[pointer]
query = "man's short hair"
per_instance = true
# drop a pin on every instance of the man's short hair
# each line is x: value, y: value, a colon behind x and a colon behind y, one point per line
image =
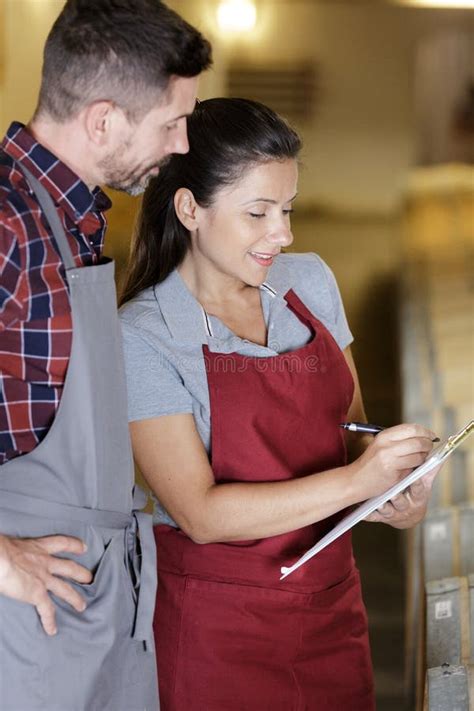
x: 123, y: 51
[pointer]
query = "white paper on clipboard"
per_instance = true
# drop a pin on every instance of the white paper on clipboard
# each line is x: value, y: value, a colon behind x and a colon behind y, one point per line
x: 439, y: 455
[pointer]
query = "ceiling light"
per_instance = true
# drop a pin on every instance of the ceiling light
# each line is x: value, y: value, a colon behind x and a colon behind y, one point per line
x: 237, y: 15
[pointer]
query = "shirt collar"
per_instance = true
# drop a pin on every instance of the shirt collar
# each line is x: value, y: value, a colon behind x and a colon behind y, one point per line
x: 65, y: 187
x: 278, y: 280
x: 181, y: 312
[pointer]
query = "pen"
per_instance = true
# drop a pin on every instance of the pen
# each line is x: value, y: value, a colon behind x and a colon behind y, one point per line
x: 366, y: 427
x: 361, y: 427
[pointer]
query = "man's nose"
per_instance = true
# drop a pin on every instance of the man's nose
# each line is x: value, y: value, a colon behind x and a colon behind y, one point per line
x: 180, y: 143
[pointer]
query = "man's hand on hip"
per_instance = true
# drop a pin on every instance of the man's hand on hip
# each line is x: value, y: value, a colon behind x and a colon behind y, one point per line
x: 29, y: 569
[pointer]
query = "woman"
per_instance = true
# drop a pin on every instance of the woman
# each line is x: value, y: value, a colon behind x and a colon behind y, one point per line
x: 239, y: 373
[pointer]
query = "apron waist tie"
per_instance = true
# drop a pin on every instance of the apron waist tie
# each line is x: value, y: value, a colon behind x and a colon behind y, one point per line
x: 141, y: 549
x: 34, y: 506
x: 140, y: 556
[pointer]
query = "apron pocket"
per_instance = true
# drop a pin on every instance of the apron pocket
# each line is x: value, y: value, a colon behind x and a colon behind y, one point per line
x: 99, y: 638
x: 92, y: 657
x: 245, y: 646
x: 236, y: 647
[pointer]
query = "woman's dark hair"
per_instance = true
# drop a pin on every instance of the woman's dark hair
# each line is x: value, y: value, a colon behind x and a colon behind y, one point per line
x: 226, y: 138
x: 121, y: 50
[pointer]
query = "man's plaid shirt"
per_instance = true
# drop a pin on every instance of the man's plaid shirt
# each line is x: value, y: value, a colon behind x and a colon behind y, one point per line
x: 35, y: 315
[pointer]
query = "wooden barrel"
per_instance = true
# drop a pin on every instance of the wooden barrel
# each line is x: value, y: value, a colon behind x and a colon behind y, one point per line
x: 448, y: 542
x: 448, y: 621
x: 449, y: 688
x: 438, y: 536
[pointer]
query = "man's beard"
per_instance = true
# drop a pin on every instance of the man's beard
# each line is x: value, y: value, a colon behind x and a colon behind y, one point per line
x: 133, y: 183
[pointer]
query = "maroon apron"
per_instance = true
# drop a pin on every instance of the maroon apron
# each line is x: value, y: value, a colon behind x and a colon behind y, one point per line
x: 230, y: 636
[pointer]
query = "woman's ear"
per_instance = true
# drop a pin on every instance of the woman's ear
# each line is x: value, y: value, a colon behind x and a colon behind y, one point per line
x: 186, y: 207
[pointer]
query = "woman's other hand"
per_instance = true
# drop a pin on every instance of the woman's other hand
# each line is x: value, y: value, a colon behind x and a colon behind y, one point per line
x: 408, y: 508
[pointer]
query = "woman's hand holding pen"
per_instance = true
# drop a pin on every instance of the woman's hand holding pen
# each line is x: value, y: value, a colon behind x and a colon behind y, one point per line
x: 392, y: 454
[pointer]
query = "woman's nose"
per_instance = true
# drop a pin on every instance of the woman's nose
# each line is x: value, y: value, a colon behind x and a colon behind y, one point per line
x: 282, y: 236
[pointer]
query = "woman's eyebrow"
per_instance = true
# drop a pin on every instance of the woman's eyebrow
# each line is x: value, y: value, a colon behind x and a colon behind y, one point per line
x: 271, y: 202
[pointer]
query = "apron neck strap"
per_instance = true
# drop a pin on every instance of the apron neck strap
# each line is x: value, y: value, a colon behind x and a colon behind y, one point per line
x: 50, y: 212
x: 300, y: 310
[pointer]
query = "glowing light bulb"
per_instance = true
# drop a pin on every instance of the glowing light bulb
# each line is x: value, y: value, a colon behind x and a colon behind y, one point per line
x: 237, y: 15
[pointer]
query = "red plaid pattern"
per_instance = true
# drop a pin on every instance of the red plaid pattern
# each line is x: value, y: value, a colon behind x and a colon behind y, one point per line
x: 35, y: 317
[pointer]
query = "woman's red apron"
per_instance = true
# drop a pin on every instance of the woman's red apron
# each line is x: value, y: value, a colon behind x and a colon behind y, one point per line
x: 230, y: 636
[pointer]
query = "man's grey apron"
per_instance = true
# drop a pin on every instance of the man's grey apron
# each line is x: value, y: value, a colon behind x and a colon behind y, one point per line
x: 79, y: 481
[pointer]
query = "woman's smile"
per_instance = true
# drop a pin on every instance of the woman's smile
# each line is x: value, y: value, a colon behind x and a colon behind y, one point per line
x: 263, y: 258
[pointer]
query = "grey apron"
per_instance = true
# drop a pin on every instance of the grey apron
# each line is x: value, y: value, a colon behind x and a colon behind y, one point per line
x: 78, y: 481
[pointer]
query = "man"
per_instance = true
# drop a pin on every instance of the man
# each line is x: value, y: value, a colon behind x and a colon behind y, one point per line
x: 76, y: 587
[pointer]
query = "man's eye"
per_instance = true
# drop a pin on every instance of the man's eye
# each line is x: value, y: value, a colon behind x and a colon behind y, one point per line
x: 257, y: 214
x: 288, y: 211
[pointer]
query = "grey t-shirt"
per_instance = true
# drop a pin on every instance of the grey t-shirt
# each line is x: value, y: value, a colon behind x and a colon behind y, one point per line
x: 164, y: 328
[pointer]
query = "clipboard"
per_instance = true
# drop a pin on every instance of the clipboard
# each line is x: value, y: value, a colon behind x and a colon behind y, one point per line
x: 437, y: 457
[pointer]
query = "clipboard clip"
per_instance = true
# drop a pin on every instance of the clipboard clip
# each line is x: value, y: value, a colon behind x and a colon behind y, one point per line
x: 456, y: 439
